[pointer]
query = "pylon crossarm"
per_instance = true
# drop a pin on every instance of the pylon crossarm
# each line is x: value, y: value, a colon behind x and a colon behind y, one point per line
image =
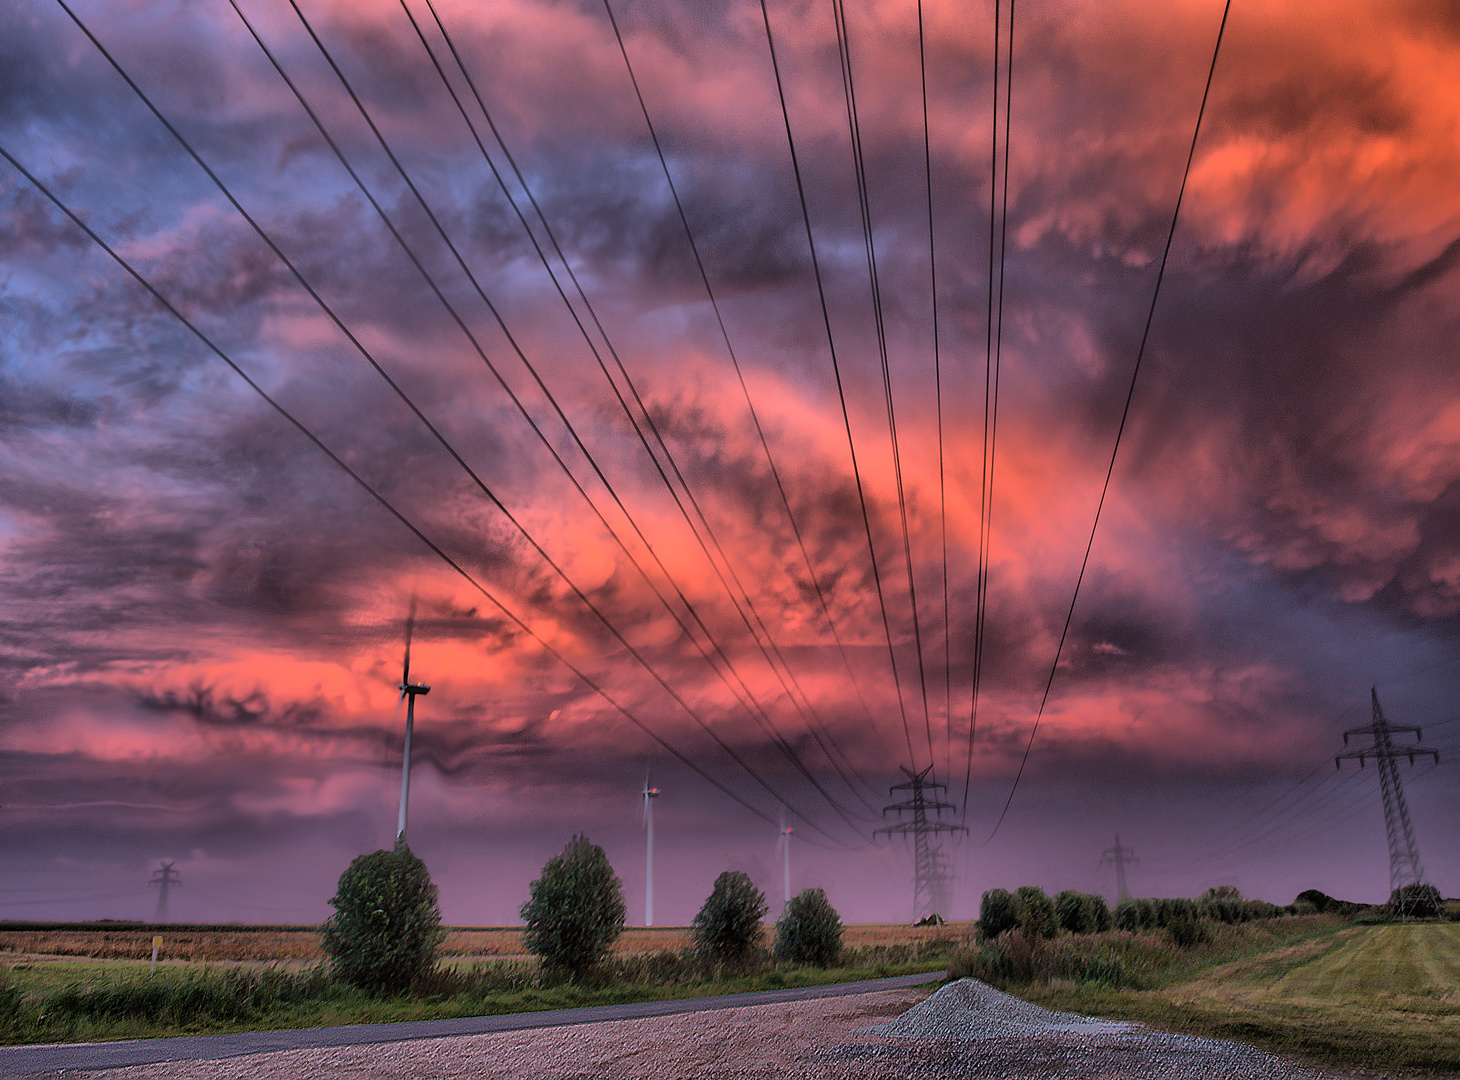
x: 925, y: 785
x: 924, y: 804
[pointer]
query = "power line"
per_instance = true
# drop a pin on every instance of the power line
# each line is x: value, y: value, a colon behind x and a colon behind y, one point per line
x: 521, y: 408
x: 993, y: 353
x: 938, y: 397
x: 840, y: 389
x: 377, y: 496
x: 744, y: 387
x: 441, y: 439
x: 844, y: 45
x: 758, y: 713
x: 1124, y: 416
x: 792, y: 687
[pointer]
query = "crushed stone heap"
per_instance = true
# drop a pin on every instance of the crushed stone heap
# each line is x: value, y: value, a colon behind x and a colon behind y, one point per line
x: 969, y: 1009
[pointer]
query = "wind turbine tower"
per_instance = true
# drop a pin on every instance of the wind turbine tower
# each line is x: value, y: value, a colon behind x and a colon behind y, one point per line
x: 408, y: 692
x: 786, y: 860
x: 650, y: 794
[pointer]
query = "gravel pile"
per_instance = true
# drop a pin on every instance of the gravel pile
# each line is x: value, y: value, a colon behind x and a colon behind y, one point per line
x: 969, y: 1029
x: 969, y: 1009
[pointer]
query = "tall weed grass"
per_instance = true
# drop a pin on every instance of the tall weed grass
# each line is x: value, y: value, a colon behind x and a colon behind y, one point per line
x: 1119, y: 959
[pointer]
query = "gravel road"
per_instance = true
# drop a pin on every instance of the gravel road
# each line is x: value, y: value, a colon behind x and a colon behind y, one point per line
x: 964, y: 1030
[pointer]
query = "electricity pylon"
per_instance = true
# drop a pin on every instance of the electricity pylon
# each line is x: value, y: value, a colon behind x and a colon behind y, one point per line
x: 650, y: 794
x: 1404, y: 865
x: 164, y: 879
x: 930, y: 873
x: 408, y: 691
x: 1119, y: 855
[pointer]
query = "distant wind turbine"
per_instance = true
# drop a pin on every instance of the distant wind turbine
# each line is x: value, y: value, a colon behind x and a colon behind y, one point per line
x: 650, y: 794
x: 784, y: 843
x: 408, y: 692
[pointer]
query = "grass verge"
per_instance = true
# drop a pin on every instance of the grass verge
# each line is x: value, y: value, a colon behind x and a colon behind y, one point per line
x: 195, y: 999
x: 1373, y: 997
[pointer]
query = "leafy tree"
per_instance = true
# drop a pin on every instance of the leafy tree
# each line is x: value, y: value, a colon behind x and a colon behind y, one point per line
x: 387, y: 925
x: 1036, y: 913
x: 998, y: 911
x: 728, y: 926
x: 809, y: 931
x: 575, y: 911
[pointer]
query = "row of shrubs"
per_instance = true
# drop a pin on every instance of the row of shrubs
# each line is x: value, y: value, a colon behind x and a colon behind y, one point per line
x: 386, y: 927
x: 1037, y: 915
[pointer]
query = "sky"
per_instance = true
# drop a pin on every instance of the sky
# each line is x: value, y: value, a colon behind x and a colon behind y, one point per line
x: 429, y: 330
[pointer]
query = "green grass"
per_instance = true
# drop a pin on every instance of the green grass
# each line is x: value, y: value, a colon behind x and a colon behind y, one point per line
x: 87, y: 1001
x: 1376, y: 997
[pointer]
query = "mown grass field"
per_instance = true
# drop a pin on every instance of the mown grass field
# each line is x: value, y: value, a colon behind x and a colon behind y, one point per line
x: 1377, y: 997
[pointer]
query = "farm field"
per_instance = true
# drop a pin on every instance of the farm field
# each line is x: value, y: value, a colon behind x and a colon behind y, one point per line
x: 79, y: 983
x: 1384, y: 997
x: 301, y: 943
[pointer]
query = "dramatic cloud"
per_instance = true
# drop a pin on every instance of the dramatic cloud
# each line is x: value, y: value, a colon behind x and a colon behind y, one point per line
x: 203, y: 613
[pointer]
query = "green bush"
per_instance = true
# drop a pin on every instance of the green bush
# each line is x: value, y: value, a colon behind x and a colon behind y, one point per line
x: 1082, y: 913
x: 809, y: 931
x: 728, y: 926
x: 575, y: 911
x: 1036, y: 912
x: 997, y: 912
x: 1419, y: 901
x: 387, y: 925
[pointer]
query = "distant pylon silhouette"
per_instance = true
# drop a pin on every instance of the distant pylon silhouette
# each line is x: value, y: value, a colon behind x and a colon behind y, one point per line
x: 1119, y: 855
x: 1404, y: 865
x: 164, y: 879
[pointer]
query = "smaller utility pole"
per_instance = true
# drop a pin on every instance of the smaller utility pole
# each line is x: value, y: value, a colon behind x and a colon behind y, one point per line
x: 164, y: 879
x: 1119, y: 855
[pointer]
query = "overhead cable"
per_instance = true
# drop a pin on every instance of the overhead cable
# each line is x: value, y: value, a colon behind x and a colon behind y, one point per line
x: 1124, y: 416
x: 840, y: 389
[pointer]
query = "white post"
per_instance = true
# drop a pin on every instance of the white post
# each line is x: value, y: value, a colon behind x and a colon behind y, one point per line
x: 156, y: 944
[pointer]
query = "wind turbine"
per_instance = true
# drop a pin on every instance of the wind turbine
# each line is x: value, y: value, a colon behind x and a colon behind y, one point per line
x: 784, y: 843
x: 650, y: 794
x: 408, y: 692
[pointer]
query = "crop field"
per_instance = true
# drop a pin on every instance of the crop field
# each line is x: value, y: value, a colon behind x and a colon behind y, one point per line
x: 68, y: 983
x: 301, y: 943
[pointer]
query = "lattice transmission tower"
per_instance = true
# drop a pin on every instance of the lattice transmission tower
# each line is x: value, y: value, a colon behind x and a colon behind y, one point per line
x: 930, y: 865
x: 164, y: 878
x: 1120, y: 856
x: 1404, y: 866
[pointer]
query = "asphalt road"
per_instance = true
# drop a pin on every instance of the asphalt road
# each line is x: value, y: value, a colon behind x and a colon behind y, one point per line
x: 24, y: 1060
